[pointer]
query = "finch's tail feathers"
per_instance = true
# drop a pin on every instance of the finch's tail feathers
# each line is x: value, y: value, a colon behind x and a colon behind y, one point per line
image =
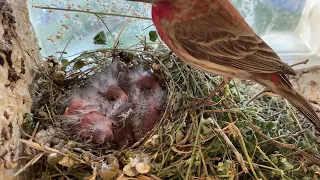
x: 298, y: 101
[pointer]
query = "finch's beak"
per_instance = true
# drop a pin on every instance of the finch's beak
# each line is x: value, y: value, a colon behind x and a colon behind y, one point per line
x: 145, y: 1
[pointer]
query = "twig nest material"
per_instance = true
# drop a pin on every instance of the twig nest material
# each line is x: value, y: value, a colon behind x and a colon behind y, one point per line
x: 143, y: 168
x: 112, y: 96
x: 3, y: 151
x: 108, y: 172
x: 45, y: 136
x: 54, y: 158
x: 130, y: 171
x: 179, y: 136
x: 139, y: 164
x: 134, y: 161
x: 153, y: 142
x: 109, y: 169
x: 69, y: 162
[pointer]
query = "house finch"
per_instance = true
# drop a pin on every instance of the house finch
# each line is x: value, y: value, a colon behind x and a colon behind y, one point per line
x: 212, y: 36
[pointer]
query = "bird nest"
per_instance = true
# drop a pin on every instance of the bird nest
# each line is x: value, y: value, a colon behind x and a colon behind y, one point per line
x: 217, y: 139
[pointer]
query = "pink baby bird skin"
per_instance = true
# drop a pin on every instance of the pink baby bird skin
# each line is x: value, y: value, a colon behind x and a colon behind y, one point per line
x: 117, y: 108
x: 92, y: 125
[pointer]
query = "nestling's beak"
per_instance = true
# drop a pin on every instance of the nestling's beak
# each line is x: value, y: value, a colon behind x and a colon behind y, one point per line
x: 145, y: 1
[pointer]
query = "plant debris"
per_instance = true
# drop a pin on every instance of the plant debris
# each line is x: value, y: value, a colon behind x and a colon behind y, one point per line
x: 223, y: 139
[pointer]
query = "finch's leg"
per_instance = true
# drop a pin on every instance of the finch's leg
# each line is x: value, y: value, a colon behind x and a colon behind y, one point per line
x: 196, y: 103
x: 218, y: 88
x: 256, y: 96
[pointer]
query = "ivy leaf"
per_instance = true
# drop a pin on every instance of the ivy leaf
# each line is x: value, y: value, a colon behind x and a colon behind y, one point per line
x: 100, y: 38
x: 79, y: 64
x: 153, y: 36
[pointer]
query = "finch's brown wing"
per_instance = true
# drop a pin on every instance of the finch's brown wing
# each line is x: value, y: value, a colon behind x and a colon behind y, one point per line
x: 224, y: 38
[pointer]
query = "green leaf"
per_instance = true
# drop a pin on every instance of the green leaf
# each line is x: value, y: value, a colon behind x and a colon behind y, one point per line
x: 275, y: 160
x: 197, y: 163
x: 311, y: 136
x: 153, y: 36
x: 217, y: 146
x: 250, y: 147
x: 206, y: 129
x: 221, y: 167
x: 303, y: 144
x: 64, y: 62
x: 287, y: 166
x: 270, y: 125
x: 312, y: 151
x: 100, y: 38
x: 79, y: 64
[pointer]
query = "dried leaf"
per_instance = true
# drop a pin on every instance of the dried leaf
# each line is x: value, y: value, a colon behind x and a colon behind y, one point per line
x: 79, y: 64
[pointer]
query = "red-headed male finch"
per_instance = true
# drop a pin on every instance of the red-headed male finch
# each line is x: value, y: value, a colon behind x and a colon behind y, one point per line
x: 212, y: 36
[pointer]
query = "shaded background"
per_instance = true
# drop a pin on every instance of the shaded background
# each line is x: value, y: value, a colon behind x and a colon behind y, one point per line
x: 290, y: 27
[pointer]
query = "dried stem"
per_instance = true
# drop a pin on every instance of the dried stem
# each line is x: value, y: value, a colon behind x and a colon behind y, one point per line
x: 232, y: 147
x: 185, y: 139
x: 287, y: 146
x: 91, y: 12
x: 299, y: 63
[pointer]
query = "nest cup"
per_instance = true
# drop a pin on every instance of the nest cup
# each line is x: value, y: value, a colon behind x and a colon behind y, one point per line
x: 116, y: 108
x: 217, y: 139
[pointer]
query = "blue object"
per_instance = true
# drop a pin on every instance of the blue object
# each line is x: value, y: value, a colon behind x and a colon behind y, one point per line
x: 289, y: 5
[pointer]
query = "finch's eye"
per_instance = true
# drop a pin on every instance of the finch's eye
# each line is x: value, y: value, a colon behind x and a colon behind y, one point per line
x: 115, y: 93
x: 146, y: 82
x: 112, y: 93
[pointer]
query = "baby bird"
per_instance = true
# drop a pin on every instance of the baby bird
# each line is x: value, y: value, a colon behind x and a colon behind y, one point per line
x: 148, y: 99
x: 118, y: 107
x: 87, y: 123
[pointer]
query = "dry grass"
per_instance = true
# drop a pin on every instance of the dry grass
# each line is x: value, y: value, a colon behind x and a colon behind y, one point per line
x: 220, y: 140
